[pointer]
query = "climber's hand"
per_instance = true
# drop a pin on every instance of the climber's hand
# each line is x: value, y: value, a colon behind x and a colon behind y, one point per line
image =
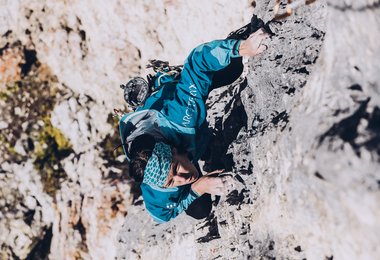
x: 214, y: 185
x: 255, y: 44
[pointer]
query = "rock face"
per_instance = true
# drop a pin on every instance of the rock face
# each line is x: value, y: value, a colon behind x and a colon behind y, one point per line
x: 300, y: 132
x: 64, y: 192
x: 306, y: 158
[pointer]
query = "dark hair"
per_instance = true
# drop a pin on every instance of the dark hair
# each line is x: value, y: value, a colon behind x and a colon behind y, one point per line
x: 141, y: 150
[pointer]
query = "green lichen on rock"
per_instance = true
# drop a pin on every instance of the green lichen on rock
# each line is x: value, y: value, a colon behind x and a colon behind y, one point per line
x: 51, y: 148
x: 26, y: 106
x: 6, y: 94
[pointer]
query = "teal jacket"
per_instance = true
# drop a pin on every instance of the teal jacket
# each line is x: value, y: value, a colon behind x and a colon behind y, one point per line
x: 176, y: 114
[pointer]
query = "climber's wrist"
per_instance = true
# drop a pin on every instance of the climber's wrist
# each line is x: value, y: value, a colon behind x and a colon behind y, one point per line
x: 199, y: 187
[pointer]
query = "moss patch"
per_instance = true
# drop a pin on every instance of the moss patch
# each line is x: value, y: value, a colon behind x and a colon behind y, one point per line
x: 51, y: 148
x: 26, y: 106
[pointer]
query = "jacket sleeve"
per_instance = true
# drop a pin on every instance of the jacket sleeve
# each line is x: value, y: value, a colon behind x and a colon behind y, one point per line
x: 162, y: 207
x: 204, y: 60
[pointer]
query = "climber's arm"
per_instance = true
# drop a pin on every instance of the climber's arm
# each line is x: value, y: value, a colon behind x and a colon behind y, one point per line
x: 207, y: 58
x: 163, y: 206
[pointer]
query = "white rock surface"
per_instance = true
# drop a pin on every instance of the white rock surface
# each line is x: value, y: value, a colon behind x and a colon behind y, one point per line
x: 90, y: 49
x: 303, y: 134
x: 311, y: 177
x: 22, y: 222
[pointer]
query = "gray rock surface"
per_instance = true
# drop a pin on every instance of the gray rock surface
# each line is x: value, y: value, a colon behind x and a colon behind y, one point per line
x: 64, y: 193
x: 307, y: 156
x: 299, y: 132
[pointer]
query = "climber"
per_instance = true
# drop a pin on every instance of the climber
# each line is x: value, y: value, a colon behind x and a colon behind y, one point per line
x: 167, y: 134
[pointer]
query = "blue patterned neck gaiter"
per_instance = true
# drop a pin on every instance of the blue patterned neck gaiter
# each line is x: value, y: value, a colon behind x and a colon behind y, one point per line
x: 157, y: 169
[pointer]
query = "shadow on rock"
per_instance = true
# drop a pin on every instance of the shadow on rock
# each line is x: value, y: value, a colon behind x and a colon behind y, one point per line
x: 226, y: 129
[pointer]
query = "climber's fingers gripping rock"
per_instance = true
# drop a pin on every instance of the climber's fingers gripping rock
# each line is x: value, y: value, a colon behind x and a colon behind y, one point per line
x: 214, y: 185
x: 255, y: 44
x: 220, y: 185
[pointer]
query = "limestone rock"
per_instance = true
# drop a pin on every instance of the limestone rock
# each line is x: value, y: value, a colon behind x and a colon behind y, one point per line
x: 299, y: 131
x: 61, y: 65
x: 307, y: 156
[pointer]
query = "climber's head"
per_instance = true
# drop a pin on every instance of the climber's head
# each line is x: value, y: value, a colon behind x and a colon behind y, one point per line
x: 182, y: 171
x: 136, y: 91
x: 163, y: 166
